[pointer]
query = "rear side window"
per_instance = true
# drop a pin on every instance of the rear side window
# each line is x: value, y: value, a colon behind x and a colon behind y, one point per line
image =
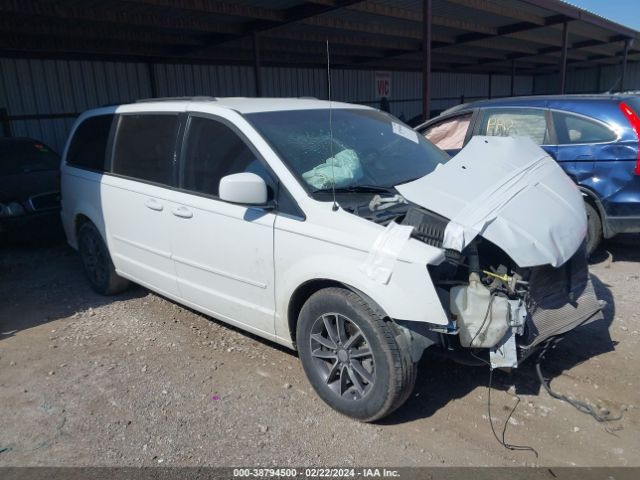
x: 213, y: 150
x: 145, y: 147
x: 515, y: 122
x: 572, y: 129
x: 89, y: 144
x: 449, y: 134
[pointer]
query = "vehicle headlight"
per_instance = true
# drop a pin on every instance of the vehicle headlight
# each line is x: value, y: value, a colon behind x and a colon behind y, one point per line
x: 12, y: 209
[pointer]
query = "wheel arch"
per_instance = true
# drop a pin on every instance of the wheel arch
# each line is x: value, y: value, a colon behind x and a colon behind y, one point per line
x: 79, y: 218
x: 590, y: 197
x: 304, y: 291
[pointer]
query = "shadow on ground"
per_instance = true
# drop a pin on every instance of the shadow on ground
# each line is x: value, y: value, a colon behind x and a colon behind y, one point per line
x: 41, y: 281
x: 441, y: 380
x: 618, y: 249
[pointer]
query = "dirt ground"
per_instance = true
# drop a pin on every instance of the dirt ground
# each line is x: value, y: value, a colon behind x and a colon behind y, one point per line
x: 138, y: 380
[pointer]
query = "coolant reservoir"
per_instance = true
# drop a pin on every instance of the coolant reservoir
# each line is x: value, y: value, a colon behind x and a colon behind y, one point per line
x: 470, y: 303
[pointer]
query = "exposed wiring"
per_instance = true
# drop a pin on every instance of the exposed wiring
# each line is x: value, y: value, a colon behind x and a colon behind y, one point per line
x: 577, y: 404
x: 504, y: 278
x: 502, y: 441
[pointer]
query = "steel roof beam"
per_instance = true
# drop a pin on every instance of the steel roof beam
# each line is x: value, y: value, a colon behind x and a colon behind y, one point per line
x: 22, y: 26
x: 109, y: 15
x: 231, y: 9
x: 261, y: 13
x: 577, y: 13
x: 501, y: 31
x: 510, y: 29
x: 289, y: 15
x: 501, y: 10
x: 392, y: 11
x: 552, y: 50
x: 340, y: 38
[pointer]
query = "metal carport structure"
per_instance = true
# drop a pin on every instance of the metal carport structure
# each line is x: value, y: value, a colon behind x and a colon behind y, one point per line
x: 490, y: 37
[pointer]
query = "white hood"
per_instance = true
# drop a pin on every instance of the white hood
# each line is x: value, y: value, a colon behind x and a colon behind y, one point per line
x: 509, y: 191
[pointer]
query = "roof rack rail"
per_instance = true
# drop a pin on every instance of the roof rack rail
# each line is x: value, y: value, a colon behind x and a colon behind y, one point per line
x: 177, y: 99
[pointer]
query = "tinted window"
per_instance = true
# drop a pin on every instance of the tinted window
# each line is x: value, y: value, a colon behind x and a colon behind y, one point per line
x: 576, y: 129
x: 89, y: 144
x: 18, y: 155
x: 449, y: 134
x: 213, y: 150
x: 515, y: 122
x: 145, y: 147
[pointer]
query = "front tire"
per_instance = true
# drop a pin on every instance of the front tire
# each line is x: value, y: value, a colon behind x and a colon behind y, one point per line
x: 594, y: 229
x: 351, y: 357
x: 96, y: 262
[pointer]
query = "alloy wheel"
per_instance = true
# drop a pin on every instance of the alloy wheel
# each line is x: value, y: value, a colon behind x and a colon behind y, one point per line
x: 342, y: 356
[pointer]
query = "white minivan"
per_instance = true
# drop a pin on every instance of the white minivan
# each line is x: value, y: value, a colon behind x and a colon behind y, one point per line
x: 333, y: 229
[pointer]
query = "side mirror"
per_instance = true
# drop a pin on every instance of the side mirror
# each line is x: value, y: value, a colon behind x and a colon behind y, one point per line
x: 243, y: 188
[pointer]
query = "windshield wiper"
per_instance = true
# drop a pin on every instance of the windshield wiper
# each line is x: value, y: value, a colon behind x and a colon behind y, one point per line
x: 356, y: 188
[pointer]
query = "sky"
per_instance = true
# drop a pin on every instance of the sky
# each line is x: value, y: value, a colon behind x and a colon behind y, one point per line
x: 625, y: 12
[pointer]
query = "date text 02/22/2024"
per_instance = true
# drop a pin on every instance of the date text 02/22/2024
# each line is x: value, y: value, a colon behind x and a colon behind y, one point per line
x: 315, y: 472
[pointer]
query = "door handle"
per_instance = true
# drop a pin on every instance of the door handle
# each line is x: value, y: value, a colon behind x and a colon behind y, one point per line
x: 154, y: 204
x: 182, y: 212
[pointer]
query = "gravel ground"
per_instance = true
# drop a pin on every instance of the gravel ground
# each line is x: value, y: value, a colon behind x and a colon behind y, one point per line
x: 136, y: 379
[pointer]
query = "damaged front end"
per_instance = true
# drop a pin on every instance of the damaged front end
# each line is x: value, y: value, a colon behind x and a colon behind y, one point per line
x: 507, y: 310
x: 512, y: 226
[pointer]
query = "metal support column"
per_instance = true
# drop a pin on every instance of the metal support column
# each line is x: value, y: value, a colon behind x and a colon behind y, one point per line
x: 256, y: 64
x: 426, y: 57
x: 625, y: 54
x: 563, y: 57
x: 490, y: 86
x: 513, y: 77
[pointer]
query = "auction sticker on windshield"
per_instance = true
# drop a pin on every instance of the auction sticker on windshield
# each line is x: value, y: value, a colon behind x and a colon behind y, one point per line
x: 404, y: 132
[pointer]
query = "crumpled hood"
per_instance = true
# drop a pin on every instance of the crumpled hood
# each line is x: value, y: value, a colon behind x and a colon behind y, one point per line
x: 509, y: 191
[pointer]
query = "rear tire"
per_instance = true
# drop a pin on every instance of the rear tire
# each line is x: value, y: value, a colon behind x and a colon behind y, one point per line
x: 351, y: 355
x: 594, y: 229
x: 96, y: 262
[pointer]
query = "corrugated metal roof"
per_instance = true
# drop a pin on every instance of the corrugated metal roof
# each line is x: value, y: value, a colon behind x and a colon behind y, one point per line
x: 192, y: 31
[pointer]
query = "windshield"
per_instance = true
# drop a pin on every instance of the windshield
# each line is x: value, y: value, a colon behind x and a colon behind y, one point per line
x: 25, y: 156
x: 366, y: 149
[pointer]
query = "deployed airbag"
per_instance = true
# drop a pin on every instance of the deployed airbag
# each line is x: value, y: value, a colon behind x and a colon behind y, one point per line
x: 343, y: 169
